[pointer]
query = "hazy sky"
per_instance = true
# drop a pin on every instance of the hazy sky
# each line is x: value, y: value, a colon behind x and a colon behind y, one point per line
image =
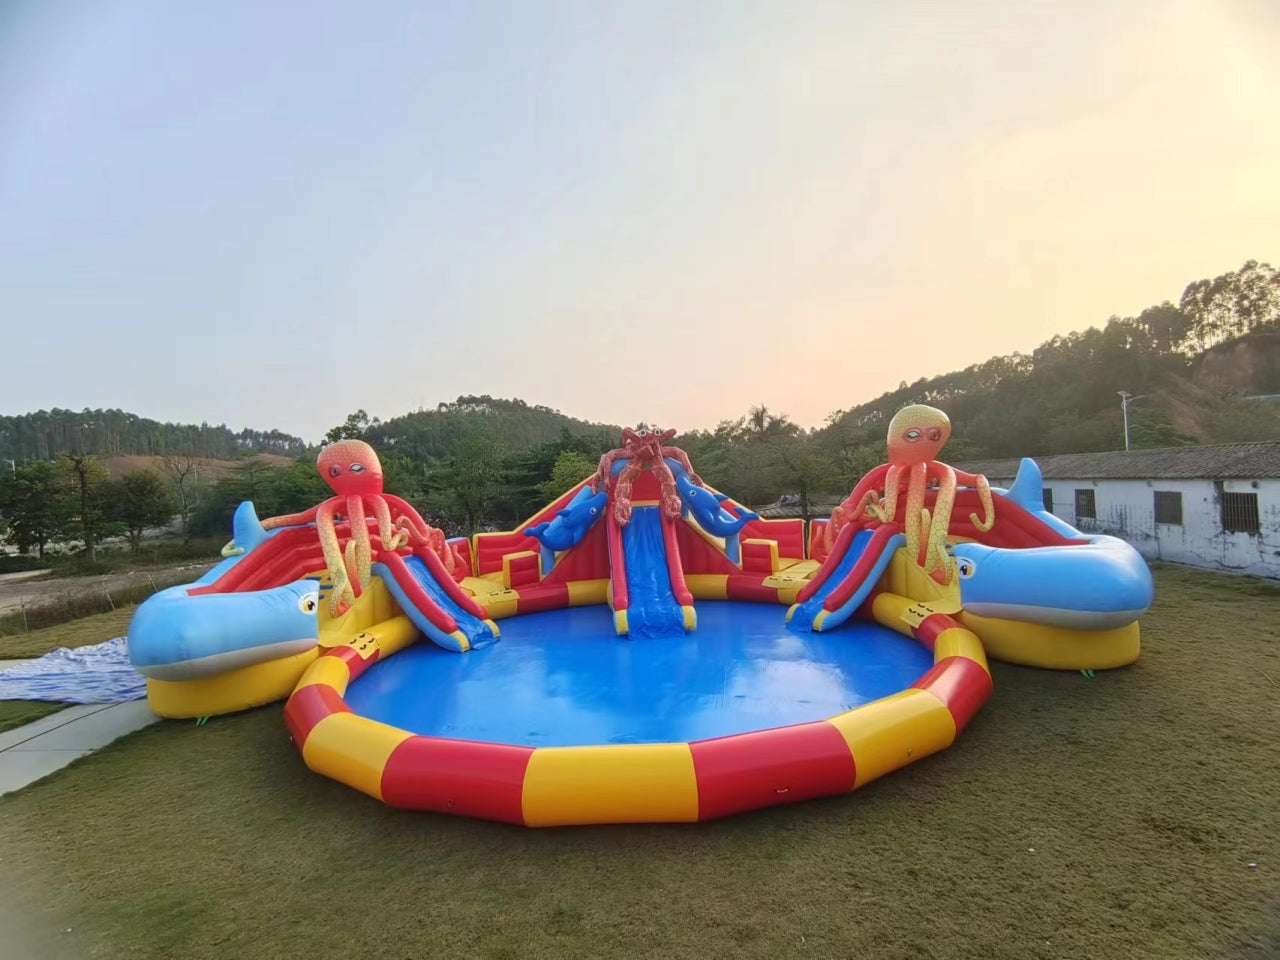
x: 271, y: 214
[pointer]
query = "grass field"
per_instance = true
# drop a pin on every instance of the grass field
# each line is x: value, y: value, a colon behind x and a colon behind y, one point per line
x: 1136, y: 814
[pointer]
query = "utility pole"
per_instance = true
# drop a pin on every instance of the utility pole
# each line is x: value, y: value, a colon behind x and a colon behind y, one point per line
x: 1127, y: 398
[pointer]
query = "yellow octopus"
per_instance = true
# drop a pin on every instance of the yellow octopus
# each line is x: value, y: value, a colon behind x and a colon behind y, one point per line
x: 916, y: 435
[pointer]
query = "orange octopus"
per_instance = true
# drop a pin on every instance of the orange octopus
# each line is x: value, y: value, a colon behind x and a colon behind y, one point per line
x: 916, y: 435
x: 353, y: 471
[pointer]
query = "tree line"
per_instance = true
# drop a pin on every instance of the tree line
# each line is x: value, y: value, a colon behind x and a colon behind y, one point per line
x: 107, y: 433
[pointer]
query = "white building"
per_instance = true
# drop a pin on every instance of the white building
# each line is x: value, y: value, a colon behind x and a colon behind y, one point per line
x: 1213, y: 506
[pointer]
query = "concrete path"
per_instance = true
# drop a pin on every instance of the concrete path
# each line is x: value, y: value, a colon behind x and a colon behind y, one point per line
x: 38, y: 749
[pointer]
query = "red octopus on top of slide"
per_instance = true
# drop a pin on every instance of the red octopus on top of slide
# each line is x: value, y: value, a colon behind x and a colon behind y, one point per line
x: 645, y: 450
x: 353, y: 471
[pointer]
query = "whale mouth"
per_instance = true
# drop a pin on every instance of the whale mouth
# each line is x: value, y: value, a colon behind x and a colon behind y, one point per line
x: 223, y: 662
x: 1056, y: 616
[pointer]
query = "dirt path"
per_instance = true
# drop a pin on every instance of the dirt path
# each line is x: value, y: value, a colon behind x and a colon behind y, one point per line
x: 17, y: 590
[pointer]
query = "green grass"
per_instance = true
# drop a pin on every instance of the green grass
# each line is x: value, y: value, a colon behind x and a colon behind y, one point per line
x: 1112, y: 817
x: 16, y: 713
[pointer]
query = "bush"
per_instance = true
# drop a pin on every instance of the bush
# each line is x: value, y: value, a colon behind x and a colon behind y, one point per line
x: 87, y: 600
x: 20, y: 563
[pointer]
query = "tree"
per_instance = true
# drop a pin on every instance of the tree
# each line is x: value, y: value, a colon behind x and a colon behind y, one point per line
x: 85, y: 478
x: 31, y: 501
x: 139, y: 501
x: 570, y: 469
x: 799, y: 466
x: 469, y: 479
x: 355, y: 427
x: 182, y: 470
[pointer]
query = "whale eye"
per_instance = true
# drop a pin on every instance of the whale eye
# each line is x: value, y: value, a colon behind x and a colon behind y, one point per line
x: 912, y: 435
x: 335, y: 471
x: 308, y: 602
x: 966, y: 567
x: 594, y: 511
x: 356, y: 468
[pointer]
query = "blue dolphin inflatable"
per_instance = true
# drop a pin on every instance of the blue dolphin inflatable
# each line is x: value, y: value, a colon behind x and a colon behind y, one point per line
x: 705, y: 506
x: 570, y: 524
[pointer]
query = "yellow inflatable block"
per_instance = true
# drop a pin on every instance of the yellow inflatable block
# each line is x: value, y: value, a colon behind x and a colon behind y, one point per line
x: 708, y: 586
x: 352, y: 750
x: 328, y: 671
x: 1055, y: 648
x: 958, y: 642
x: 629, y: 783
x: 586, y: 593
x: 228, y: 692
x: 892, y: 732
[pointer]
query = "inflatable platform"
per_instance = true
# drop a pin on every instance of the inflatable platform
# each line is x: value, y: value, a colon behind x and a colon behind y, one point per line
x: 666, y: 654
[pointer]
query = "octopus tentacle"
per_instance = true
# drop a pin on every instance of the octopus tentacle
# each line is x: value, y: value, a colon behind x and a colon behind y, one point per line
x: 363, y: 572
x: 392, y: 537
x: 290, y: 519
x: 988, y: 518
x: 670, y: 495
x: 915, y: 504
x: 682, y: 458
x: 936, y: 536
x: 342, y: 597
x: 622, y: 494
x: 886, y: 511
x: 604, y: 473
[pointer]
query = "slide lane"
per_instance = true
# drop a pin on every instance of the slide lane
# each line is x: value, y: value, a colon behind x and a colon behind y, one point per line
x: 434, y: 602
x: 847, y: 578
x: 649, y: 595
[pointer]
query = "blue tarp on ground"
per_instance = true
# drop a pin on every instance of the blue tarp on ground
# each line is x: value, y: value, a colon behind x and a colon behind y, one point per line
x: 100, y: 673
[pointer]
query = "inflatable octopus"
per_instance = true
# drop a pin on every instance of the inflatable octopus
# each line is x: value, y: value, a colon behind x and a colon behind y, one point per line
x: 916, y: 436
x: 645, y: 451
x: 353, y: 471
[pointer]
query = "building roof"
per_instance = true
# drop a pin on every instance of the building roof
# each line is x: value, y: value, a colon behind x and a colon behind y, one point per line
x: 788, y: 506
x: 1222, y: 461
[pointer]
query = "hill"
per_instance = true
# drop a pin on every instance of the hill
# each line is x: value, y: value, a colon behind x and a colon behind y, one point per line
x: 433, y: 434
x: 44, y: 434
x: 1193, y: 364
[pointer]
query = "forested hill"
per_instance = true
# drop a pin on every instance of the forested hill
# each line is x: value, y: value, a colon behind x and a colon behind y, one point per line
x: 433, y: 434
x: 1193, y: 363
x: 108, y: 433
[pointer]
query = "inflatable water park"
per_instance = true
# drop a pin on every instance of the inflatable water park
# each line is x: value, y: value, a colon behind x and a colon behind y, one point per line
x: 665, y: 654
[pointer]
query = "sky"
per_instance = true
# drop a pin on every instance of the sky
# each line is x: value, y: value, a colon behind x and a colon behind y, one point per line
x: 271, y: 215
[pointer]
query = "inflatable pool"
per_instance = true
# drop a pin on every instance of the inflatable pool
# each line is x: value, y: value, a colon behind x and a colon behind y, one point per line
x: 837, y: 651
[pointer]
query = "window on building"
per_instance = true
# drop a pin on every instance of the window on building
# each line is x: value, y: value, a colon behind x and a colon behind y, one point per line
x: 1239, y: 511
x: 1047, y: 495
x: 1169, y: 507
x: 1086, y: 507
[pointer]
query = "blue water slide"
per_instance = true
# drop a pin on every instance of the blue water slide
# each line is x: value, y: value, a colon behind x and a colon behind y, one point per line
x: 812, y: 614
x: 652, y: 610
x: 477, y: 631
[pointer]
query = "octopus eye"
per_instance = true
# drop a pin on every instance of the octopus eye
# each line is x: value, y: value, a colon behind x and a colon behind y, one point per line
x: 912, y: 435
x: 308, y: 602
x: 934, y: 433
x: 356, y: 468
x: 335, y: 471
x: 966, y: 567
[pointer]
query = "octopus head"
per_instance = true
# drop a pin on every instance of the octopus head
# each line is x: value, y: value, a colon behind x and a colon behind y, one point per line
x: 350, y: 467
x: 649, y: 441
x: 917, y: 434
